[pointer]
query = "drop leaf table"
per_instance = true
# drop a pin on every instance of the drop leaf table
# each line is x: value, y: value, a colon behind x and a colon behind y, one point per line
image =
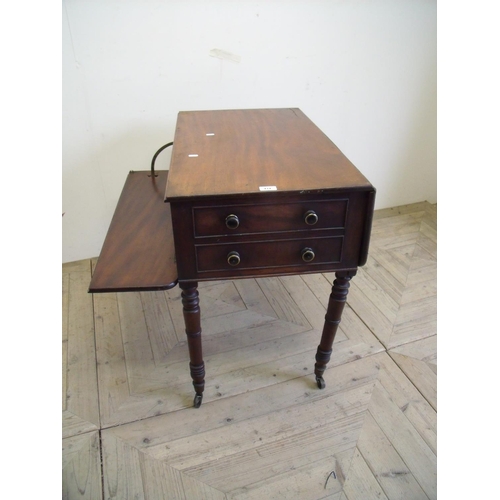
x: 249, y: 193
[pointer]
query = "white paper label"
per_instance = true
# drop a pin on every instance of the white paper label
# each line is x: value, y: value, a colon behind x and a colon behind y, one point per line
x: 268, y: 188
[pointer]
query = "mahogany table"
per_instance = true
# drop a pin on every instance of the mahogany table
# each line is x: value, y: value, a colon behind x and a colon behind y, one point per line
x: 249, y: 193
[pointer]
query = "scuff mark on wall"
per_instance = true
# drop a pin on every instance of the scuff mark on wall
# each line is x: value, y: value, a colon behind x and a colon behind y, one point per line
x: 222, y: 54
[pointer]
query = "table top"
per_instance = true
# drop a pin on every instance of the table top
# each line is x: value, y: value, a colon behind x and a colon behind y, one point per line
x: 240, y: 152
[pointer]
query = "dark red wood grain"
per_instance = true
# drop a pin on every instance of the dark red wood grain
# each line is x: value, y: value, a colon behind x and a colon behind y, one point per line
x: 251, y: 148
x: 138, y: 252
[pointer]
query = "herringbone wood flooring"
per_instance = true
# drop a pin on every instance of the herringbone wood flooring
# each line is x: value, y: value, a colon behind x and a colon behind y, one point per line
x: 264, y: 430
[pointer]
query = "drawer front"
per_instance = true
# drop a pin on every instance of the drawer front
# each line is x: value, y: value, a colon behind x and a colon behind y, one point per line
x: 269, y: 218
x: 304, y: 253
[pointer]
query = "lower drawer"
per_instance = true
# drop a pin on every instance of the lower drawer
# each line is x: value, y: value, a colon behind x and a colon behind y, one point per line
x: 269, y: 254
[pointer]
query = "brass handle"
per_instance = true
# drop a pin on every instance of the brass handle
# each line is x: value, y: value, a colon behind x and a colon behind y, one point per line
x: 311, y: 217
x: 308, y: 255
x: 232, y: 221
x: 233, y: 258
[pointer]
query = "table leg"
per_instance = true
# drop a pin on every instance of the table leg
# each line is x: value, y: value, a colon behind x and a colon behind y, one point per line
x: 191, y: 311
x: 336, y: 304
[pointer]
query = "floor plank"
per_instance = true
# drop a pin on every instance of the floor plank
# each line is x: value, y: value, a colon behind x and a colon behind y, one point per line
x: 281, y: 301
x: 81, y: 467
x: 385, y: 463
x: 416, y: 454
x: 361, y: 483
x: 80, y: 398
x: 395, y: 293
x: 418, y: 361
x: 255, y: 443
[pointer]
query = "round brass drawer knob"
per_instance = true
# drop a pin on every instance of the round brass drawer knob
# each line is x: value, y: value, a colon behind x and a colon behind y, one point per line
x: 233, y: 258
x: 232, y: 221
x: 311, y: 217
x: 308, y: 255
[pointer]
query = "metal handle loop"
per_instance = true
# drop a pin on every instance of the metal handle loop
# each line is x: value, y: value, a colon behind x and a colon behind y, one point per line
x: 156, y: 155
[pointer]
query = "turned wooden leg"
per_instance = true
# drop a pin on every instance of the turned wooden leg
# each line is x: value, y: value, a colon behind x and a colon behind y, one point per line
x: 191, y: 310
x: 332, y: 320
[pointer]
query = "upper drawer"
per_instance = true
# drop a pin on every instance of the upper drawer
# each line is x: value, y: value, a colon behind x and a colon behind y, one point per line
x: 269, y: 218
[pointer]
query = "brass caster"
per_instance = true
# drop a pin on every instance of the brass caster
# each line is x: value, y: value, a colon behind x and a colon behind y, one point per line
x: 197, y: 400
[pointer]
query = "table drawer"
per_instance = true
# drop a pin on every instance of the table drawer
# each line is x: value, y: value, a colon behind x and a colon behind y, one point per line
x: 303, y: 253
x: 269, y: 218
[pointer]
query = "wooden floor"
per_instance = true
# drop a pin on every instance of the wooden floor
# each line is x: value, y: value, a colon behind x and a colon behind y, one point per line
x: 264, y: 430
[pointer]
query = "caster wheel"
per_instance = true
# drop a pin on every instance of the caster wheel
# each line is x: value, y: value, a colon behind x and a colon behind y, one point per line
x: 197, y: 400
x: 321, y: 383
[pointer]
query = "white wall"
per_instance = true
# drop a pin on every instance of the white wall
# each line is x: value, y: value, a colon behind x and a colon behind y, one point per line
x: 363, y: 70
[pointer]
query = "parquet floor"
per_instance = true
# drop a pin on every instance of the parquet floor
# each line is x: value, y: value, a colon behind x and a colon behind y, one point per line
x: 264, y: 430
